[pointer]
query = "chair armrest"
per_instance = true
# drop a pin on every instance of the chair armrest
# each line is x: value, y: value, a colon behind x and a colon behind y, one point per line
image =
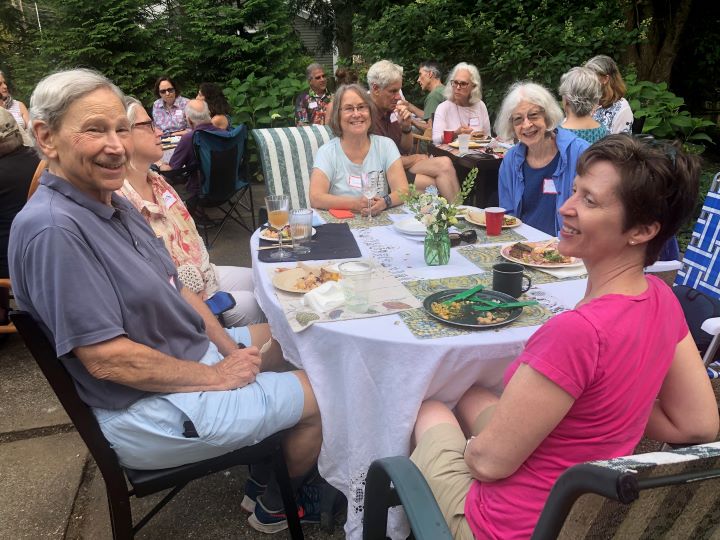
x: 426, y: 520
x: 711, y: 326
x: 663, y: 266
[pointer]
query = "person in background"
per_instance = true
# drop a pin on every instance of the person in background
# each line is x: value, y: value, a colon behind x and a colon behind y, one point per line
x: 393, y: 119
x: 430, y: 82
x: 18, y: 164
x: 592, y: 380
x: 166, y: 213
x: 15, y: 107
x: 580, y: 92
x: 336, y: 179
x: 311, y: 105
x: 344, y: 75
x: 168, y: 111
x: 217, y: 103
x: 464, y: 110
x: 614, y: 111
x: 536, y: 175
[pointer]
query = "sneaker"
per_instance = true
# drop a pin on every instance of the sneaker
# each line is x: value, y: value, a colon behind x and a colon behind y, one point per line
x: 269, y: 522
x: 253, y: 489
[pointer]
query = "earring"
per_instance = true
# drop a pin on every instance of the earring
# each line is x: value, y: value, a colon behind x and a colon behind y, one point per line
x: 632, y: 242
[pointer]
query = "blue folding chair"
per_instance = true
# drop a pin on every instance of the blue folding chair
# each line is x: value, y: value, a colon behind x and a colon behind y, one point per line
x: 224, y: 180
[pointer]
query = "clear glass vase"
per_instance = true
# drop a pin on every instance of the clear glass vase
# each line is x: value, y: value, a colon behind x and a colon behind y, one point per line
x: 437, y: 247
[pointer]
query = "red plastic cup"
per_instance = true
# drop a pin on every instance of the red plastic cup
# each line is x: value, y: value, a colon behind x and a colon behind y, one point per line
x: 494, y: 220
x: 448, y: 136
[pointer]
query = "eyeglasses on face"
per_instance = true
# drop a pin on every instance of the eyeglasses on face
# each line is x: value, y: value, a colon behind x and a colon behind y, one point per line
x: 164, y: 91
x: 145, y: 123
x: 469, y: 236
x: 460, y: 84
x: 533, y: 116
x: 350, y: 109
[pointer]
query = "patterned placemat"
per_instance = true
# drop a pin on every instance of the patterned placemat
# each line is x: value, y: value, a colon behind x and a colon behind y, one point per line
x: 361, y: 222
x: 486, y: 257
x: 425, y: 327
x: 506, y: 235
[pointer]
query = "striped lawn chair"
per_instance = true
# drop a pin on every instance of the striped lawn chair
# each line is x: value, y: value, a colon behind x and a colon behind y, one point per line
x: 286, y: 157
x: 671, y: 494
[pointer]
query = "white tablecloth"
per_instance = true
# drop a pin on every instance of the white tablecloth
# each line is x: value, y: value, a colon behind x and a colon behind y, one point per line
x: 371, y: 375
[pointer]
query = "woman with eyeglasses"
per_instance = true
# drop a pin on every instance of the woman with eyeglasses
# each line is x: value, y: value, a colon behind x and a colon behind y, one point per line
x: 464, y: 110
x: 336, y: 179
x: 536, y: 176
x: 169, y: 109
x: 169, y: 218
x: 614, y: 111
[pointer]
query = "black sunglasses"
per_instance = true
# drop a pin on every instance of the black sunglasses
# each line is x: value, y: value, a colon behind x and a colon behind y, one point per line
x: 469, y: 236
x: 167, y: 91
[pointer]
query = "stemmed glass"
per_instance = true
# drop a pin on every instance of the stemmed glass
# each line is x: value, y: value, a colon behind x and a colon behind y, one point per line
x: 278, y: 207
x: 370, y: 185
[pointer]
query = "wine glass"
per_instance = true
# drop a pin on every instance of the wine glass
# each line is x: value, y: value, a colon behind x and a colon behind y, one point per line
x: 370, y: 183
x: 278, y: 207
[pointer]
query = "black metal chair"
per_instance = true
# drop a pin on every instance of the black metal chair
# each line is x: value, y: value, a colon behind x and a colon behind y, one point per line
x: 655, y: 495
x: 224, y: 180
x: 143, y: 482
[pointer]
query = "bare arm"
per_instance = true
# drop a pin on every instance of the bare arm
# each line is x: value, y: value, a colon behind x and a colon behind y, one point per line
x: 124, y: 361
x: 24, y: 113
x: 397, y: 181
x: 509, y: 439
x: 686, y: 410
x: 215, y: 332
x: 404, y: 116
x: 320, y: 196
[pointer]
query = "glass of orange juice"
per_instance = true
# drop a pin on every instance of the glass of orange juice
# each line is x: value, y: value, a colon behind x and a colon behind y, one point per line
x: 278, y: 207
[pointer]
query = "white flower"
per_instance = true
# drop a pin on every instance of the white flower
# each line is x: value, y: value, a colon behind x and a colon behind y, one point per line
x: 431, y: 190
x: 275, y: 116
x: 428, y: 219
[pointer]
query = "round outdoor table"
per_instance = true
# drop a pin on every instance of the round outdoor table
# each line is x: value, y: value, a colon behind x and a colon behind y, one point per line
x: 485, y: 190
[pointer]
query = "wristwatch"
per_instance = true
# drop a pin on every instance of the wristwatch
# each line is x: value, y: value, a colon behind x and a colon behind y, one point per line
x: 388, y: 201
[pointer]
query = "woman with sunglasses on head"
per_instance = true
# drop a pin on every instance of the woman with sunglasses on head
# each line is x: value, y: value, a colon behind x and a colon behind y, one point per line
x: 169, y: 218
x: 536, y: 176
x: 464, y: 110
x: 594, y: 379
x: 336, y: 178
x: 168, y: 111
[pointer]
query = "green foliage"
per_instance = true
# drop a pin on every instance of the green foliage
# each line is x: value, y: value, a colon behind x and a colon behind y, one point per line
x: 264, y: 101
x: 467, y: 186
x: 663, y: 116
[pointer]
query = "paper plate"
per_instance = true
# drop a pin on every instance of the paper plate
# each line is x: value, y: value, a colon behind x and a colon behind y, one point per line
x: 505, y: 252
x: 410, y: 226
x: 478, y: 218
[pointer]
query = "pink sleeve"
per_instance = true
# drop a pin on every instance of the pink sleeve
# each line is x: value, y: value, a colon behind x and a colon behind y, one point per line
x: 565, y: 350
x: 439, y: 123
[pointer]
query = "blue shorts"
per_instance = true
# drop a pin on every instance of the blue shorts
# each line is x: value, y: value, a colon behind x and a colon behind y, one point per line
x: 149, y: 433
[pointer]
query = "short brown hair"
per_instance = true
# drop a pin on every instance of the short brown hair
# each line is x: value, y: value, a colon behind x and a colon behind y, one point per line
x: 658, y: 183
x: 334, y: 121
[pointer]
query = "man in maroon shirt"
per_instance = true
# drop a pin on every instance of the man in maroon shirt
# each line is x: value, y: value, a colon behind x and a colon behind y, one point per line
x: 393, y: 120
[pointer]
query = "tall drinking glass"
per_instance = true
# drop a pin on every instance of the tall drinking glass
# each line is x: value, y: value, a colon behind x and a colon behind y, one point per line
x: 278, y: 207
x: 370, y: 184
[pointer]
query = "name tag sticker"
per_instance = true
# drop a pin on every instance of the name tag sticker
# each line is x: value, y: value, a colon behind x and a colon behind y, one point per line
x: 312, y: 105
x: 169, y: 199
x: 355, y: 182
x: 393, y: 117
x: 474, y: 122
x: 549, y: 187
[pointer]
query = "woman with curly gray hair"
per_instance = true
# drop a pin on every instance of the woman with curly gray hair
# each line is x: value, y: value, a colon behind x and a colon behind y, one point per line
x: 580, y: 91
x: 464, y: 110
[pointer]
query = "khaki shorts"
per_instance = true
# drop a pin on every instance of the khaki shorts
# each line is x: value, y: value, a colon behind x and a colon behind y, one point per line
x: 439, y: 456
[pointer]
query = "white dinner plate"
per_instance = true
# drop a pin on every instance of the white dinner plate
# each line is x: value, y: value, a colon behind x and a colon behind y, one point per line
x: 410, y: 226
x: 463, y: 209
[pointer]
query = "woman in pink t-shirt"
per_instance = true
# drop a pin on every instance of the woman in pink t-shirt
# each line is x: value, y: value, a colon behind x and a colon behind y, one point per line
x: 592, y: 380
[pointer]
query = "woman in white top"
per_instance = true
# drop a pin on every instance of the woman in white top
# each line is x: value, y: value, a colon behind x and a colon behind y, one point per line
x: 15, y: 107
x: 336, y: 179
x: 614, y: 111
x: 464, y: 110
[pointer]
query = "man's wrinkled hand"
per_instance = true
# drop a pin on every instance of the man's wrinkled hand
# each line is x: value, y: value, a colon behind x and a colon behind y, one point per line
x: 238, y: 368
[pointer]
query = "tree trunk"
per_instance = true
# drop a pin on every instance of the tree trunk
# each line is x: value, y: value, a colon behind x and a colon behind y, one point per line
x: 344, y: 11
x: 654, y: 57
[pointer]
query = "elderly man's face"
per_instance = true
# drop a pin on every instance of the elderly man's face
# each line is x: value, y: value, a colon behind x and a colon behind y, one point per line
x: 424, y: 79
x: 386, y: 98
x: 93, y: 144
x: 318, y: 81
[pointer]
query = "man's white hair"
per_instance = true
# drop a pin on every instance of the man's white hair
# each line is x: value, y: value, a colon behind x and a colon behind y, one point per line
x: 384, y: 73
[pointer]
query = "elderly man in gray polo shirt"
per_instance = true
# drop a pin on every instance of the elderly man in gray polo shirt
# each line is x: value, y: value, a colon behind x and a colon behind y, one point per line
x: 145, y: 352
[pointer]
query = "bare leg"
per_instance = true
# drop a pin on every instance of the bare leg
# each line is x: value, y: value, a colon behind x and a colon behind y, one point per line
x: 475, y: 409
x: 431, y: 414
x: 272, y: 359
x: 441, y: 172
x: 303, y: 441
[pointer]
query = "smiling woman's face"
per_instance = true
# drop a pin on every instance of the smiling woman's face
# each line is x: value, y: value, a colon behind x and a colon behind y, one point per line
x: 529, y: 123
x: 354, y: 114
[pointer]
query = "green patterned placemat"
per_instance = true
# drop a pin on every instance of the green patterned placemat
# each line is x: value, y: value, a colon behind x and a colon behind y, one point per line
x: 486, y: 257
x: 425, y: 327
x: 506, y: 235
x: 361, y: 222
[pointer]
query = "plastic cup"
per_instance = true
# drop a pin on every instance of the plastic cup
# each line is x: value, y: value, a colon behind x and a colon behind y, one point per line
x: 356, y: 277
x: 301, y: 230
x: 494, y: 220
x: 464, y: 143
x: 448, y: 136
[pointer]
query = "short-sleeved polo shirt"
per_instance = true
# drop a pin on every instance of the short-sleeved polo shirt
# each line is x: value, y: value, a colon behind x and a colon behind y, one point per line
x: 90, y: 272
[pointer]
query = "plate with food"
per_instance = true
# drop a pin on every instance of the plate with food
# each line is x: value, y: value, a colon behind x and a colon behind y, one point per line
x: 538, y: 254
x: 474, y: 311
x: 410, y: 226
x: 271, y: 235
x: 463, y: 210
x: 304, y: 278
x: 472, y: 144
x: 477, y: 217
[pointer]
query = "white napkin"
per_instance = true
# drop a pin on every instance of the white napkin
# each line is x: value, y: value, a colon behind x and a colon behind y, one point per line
x: 325, y: 297
x: 560, y: 273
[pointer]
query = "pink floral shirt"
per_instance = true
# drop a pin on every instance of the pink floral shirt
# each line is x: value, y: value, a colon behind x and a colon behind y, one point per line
x: 170, y: 220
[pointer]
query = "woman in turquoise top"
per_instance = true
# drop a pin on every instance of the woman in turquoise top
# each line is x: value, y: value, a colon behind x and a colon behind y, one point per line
x: 580, y: 91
